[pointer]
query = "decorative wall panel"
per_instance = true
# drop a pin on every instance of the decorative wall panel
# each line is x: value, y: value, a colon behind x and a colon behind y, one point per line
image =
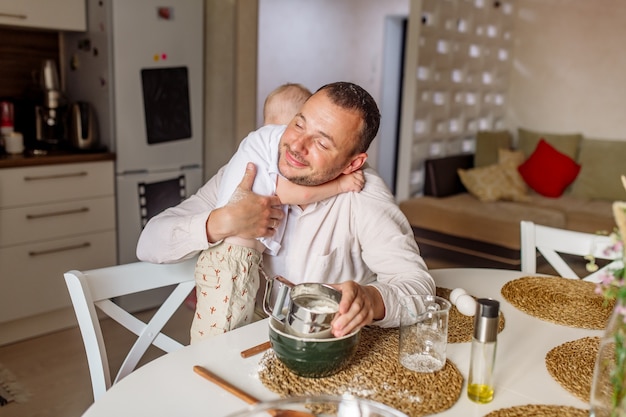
x: 461, y: 77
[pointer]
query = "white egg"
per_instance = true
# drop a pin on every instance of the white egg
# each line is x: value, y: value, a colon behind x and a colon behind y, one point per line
x: 466, y: 305
x: 455, y: 293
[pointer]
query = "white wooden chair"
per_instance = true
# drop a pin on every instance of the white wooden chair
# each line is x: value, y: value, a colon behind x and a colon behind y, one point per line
x: 97, y: 287
x: 551, y: 242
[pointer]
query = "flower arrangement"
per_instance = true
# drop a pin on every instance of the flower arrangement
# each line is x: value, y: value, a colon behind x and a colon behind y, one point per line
x: 612, y: 286
x: 612, y: 280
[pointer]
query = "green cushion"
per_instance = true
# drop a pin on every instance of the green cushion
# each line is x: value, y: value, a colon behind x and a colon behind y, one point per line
x: 603, y: 163
x: 568, y: 144
x: 487, y: 145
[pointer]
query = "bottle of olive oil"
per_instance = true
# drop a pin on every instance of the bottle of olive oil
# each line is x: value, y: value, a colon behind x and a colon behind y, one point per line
x: 480, y: 382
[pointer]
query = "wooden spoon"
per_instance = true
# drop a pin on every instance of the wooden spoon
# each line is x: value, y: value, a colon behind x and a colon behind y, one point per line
x: 205, y: 373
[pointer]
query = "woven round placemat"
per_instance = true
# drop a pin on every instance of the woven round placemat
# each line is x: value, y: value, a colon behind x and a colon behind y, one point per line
x: 569, y: 302
x: 374, y: 373
x: 533, y: 410
x: 460, y: 326
x: 571, y: 365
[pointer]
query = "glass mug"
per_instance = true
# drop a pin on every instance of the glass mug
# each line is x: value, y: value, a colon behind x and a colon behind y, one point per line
x: 423, y: 332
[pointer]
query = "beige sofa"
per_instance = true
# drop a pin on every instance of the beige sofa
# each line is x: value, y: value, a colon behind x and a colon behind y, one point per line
x: 448, y: 219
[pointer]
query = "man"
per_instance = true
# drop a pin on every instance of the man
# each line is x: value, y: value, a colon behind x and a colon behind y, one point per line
x: 228, y: 275
x: 360, y: 243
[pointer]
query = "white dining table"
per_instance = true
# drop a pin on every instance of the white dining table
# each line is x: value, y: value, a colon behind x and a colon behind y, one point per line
x: 168, y: 386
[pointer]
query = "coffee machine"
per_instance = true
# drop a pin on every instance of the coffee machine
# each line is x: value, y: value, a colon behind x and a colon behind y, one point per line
x: 51, y: 112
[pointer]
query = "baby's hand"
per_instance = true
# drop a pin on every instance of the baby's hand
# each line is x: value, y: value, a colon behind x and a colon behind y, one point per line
x: 352, y: 182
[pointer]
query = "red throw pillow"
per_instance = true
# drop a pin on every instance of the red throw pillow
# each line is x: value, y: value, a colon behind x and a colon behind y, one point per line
x: 548, y: 171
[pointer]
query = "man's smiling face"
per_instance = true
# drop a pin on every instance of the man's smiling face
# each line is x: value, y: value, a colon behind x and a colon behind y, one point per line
x: 318, y: 144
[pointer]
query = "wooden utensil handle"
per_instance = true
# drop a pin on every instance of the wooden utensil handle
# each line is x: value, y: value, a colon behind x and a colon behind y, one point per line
x: 205, y: 373
x: 256, y: 349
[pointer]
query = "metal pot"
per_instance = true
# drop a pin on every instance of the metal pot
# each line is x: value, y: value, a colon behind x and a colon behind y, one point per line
x: 306, y: 310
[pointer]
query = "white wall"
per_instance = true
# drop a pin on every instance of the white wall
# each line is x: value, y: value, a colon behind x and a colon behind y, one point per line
x: 322, y: 41
x: 569, y: 67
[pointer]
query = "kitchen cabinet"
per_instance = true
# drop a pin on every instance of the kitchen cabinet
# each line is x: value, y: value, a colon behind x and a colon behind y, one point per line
x: 44, y: 14
x: 53, y: 218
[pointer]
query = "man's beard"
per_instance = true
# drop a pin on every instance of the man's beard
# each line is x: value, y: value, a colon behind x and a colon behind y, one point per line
x: 317, y: 178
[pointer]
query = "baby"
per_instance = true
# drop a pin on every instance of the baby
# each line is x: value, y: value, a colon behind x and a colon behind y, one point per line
x: 283, y: 103
x: 228, y: 274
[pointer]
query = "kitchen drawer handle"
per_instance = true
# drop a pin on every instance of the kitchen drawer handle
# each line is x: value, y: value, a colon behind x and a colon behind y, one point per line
x: 57, y: 213
x: 62, y: 249
x: 51, y: 177
x: 13, y: 15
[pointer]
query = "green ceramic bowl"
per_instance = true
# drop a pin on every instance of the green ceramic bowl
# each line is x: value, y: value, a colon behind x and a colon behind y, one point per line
x: 309, y: 357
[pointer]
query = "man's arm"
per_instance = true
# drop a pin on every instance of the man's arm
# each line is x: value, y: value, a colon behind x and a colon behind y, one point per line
x: 389, y: 249
x: 180, y: 232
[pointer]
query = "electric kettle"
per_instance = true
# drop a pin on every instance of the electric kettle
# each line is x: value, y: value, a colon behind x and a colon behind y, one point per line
x: 83, y: 129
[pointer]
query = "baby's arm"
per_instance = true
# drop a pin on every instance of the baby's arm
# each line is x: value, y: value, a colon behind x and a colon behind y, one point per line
x: 290, y: 193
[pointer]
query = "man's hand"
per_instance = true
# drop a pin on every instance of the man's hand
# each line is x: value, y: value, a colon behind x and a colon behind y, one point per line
x: 247, y: 215
x: 360, y: 305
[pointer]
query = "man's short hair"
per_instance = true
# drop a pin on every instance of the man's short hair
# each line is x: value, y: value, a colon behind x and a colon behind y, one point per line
x: 353, y: 97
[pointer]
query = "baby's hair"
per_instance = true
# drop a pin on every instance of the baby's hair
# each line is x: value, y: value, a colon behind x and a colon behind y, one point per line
x: 283, y: 103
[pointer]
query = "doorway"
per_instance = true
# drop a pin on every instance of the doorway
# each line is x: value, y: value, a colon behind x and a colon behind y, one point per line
x: 391, y: 98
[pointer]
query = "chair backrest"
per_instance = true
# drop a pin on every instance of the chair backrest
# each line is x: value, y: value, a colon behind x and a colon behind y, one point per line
x: 97, y: 288
x: 551, y: 242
